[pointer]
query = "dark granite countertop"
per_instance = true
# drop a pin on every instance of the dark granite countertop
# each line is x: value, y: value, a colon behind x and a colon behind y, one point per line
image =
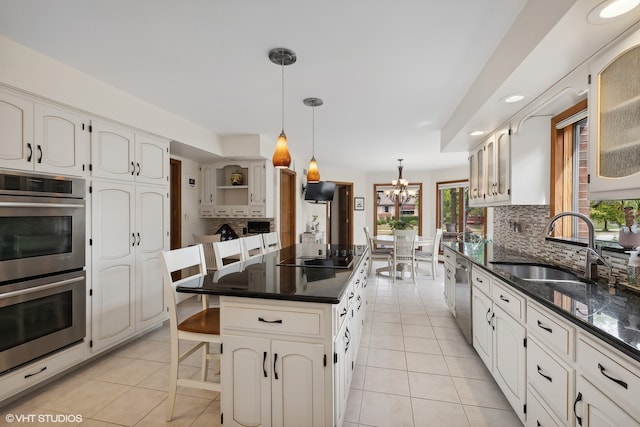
x: 612, y: 314
x: 304, y: 272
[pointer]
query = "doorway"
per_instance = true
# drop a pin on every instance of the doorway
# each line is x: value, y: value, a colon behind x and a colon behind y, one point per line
x: 340, y: 215
x: 175, y: 203
x: 287, y: 207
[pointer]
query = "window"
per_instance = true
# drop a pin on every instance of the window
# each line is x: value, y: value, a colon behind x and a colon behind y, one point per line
x: 454, y: 216
x: 569, y: 183
x: 391, y: 214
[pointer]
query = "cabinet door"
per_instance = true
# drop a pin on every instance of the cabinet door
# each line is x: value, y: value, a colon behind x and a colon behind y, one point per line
x: 500, y: 192
x: 340, y: 372
x: 509, y: 359
x: 450, y: 286
x: 491, y: 167
x: 246, y: 372
x: 61, y: 141
x: 151, y: 160
x: 151, y: 239
x: 16, y: 132
x: 477, y: 176
x: 207, y: 184
x: 113, y: 258
x: 595, y: 409
x: 614, y: 111
x: 482, y: 327
x: 297, y: 384
x: 112, y: 152
x: 257, y: 184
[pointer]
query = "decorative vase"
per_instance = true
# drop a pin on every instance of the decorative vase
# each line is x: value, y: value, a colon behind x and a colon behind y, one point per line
x: 237, y: 178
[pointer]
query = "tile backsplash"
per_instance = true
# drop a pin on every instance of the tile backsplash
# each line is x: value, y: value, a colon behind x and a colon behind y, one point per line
x: 519, y: 228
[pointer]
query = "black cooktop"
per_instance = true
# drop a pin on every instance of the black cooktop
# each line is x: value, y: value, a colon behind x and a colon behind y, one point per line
x: 324, y: 259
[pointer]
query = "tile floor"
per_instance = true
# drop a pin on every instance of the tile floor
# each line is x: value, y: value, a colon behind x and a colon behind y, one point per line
x: 414, y: 368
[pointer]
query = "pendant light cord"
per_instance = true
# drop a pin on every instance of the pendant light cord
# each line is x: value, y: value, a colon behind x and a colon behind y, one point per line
x: 282, y: 93
x: 313, y: 133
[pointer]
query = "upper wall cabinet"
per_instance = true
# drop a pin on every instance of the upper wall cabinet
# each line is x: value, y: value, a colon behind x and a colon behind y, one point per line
x: 512, y: 168
x: 119, y: 153
x: 614, y: 134
x: 38, y: 136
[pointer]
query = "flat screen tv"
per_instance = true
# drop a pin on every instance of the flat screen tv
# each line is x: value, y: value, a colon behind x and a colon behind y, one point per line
x: 320, y: 191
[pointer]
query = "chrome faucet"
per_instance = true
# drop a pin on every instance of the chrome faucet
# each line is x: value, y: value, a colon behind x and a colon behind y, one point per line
x: 593, y: 256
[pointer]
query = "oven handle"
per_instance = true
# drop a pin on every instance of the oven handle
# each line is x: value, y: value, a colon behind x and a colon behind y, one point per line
x: 39, y: 288
x: 38, y: 205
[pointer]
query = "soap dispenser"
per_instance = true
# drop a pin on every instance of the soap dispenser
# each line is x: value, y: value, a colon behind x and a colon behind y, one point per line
x: 633, y: 268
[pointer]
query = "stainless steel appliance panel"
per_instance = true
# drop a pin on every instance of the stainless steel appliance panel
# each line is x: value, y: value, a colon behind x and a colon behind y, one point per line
x: 463, y: 291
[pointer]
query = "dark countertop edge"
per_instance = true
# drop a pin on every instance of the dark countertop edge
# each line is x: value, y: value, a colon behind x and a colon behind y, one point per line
x: 260, y: 295
x: 613, y: 341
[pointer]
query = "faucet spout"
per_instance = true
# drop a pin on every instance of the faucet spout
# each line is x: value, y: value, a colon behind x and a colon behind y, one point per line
x: 592, y: 255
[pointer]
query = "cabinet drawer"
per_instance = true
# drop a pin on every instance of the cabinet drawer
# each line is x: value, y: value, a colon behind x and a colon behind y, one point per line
x: 551, y: 378
x: 256, y: 212
x: 537, y: 414
x: 616, y: 376
x: 481, y: 280
x: 239, y: 211
x: 508, y: 300
x: 217, y: 211
x: 551, y: 331
x: 206, y: 211
x: 279, y: 320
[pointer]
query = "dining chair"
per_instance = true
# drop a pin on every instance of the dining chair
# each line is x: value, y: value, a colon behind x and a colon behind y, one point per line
x: 201, y: 328
x: 375, y: 253
x: 228, y: 252
x: 207, y: 241
x: 252, y: 246
x: 271, y: 241
x: 430, y: 254
x: 403, y: 254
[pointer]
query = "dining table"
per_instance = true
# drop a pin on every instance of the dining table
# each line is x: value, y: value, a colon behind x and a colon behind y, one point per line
x: 386, y: 240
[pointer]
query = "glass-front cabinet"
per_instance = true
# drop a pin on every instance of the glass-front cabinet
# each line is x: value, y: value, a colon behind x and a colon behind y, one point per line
x: 614, y: 101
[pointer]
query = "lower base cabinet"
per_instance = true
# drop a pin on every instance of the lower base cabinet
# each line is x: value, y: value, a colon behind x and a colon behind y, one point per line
x: 278, y: 383
x: 594, y: 409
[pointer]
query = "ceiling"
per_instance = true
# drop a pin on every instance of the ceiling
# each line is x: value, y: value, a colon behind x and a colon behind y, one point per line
x: 398, y: 79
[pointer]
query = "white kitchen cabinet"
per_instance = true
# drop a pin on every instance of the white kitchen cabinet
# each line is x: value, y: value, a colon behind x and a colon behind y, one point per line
x: 37, y: 136
x: 129, y: 231
x: 614, y: 124
x: 595, y: 409
x: 498, y: 167
x: 537, y: 414
x: 477, y: 186
x: 450, y: 279
x: 119, y: 153
x: 207, y: 183
x: 499, y: 339
x: 257, y: 184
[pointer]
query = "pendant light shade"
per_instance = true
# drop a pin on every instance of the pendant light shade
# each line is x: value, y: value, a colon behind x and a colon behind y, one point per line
x: 281, y: 157
x: 313, y: 174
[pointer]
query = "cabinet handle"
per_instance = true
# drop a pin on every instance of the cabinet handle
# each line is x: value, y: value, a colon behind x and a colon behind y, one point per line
x: 486, y: 316
x: 133, y: 239
x: 40, y: 153
x: 133, y: 168
x: 264, y: 364
x: 504, y: 299
x: 35, y: 373
x: 479, y: 280
x: 578, y: 399
x: 547, y: 377
x: 620, y: 382
x: 546, y: 328
x: 138, y: 242
x: 491, y: 321
x: 275, y: 359
x: 344, y: 312
x: 347, y: 336
x: 30, y: 152
x: 138, y: 172
x: 360, y: 301
x: 260, y: 319
x: 538, y: 424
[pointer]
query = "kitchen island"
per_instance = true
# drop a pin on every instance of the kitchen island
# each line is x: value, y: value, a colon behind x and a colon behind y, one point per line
x: 291, y: 322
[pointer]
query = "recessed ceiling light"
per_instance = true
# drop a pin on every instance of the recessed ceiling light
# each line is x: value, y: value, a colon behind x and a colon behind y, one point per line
x: 476, y: 133
x: 610, y: 9
x: 515, y: 97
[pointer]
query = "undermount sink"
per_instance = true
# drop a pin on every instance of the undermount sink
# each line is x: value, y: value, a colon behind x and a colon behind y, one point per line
x: 536, y: 272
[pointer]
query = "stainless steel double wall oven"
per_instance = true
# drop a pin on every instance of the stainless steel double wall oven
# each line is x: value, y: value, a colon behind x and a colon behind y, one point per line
x: 42, y: 260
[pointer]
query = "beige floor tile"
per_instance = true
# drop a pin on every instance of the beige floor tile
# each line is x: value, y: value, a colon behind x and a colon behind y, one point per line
x: 354, y: 402
x: 357, y: 381
x: 391, y: 359
x: 383, y: 380
x: 95, y: 423
x: 415, y: 319
x: 422, y: 345
x: 489, y: 417
x: 480, y: 393
x: 386, y: 328
x: 448, y: 334
x: 186, y: 410
x: 131, y: 407
x: 386, y: 317
x: 385, y: 410
x: 457, y: 348
x: 390, y: 342
x: 443, y: 321
x: 210, y: 417
x: 427, y: 363
x: 387, y: 308
x: 434, y: 387
x: 435, y: 413
x: 132, y: 373
x: 419, y: 331
x: 468, y: 367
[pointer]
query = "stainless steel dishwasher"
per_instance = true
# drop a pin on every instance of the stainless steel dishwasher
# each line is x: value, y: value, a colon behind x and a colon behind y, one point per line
x: 463, y: 296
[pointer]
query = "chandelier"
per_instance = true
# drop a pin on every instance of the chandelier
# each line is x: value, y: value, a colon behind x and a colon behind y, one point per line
x: 400, y: 192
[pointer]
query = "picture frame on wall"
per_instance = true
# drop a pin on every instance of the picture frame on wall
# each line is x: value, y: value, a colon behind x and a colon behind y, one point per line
x: 358, y: 203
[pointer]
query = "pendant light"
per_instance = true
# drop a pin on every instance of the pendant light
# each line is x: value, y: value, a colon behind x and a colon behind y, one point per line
x: 313, y: 174
x: 281, y: 157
